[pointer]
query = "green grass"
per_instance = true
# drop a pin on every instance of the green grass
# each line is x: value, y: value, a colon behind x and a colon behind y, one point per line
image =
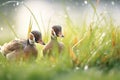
x: 96, y: 48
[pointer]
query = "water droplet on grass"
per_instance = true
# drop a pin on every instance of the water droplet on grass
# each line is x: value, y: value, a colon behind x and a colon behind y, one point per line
x: 17, y: 38
x: 17, y: 3
x: 113, y: 3
x: 85, y: 2
x: 86, y: 67
x: 77, y: 68
x: 65, y: 16
x: 108, y: 42
x: 1, y: 28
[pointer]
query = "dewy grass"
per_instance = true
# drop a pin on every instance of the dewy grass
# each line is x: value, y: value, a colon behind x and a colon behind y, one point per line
x: 96, y: 46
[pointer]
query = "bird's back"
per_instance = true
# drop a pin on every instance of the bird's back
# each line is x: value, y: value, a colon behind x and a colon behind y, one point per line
x: 12, y: 46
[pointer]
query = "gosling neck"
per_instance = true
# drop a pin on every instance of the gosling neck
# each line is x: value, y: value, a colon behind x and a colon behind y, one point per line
x: 53, y: 37
x: 30, y: 42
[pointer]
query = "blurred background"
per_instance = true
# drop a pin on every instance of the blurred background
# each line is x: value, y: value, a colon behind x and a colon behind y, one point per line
x: 17, y: 14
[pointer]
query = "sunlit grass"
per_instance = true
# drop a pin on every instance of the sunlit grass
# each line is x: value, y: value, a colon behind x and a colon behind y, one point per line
x: 91, y: 52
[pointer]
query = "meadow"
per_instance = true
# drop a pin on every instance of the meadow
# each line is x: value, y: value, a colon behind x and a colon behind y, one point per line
x: 92, y: 51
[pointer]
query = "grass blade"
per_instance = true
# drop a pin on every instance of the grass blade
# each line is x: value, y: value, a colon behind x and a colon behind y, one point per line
x: 9, y: 25
x: 29, y: 28
x: 32, y: 16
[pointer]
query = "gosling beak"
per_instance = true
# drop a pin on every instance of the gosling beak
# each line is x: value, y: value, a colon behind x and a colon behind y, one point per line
x: 41, y: 42
x: 60, y: 34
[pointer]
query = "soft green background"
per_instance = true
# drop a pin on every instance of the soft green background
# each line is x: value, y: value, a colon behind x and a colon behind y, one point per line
x: 96, y: 45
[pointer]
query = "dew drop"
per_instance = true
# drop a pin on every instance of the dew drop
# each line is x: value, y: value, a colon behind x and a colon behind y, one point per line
x: 77, y: 68
x: 1, y: 28
x: 85, y: 2
x: 16, y: 38
x: 65, y: 16
x: 86, y: 67
x: 17, y: 3
x: 113, y: 3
